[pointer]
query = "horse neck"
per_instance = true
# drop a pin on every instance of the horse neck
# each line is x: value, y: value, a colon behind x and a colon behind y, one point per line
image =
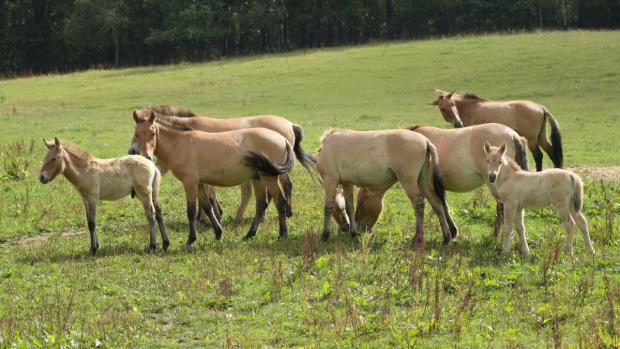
x: 166, y: 138
x: 506, y: 174
x: 74, y: 172
x: 466, y: 110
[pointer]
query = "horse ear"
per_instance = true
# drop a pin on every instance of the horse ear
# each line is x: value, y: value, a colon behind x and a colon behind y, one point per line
x: 450, y: 94
x: 487, y: 147
x: 49, y: 145
x: 57, y: 143
x: 136, y: 118
x: 152, y: 117
x: 502, y: 148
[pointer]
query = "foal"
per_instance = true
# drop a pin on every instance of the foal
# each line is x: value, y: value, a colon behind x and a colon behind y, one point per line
x: 106, y: 179
x: 521, y: 189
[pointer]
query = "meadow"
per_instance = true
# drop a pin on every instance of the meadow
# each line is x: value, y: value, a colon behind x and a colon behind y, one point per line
x: 372, y: 291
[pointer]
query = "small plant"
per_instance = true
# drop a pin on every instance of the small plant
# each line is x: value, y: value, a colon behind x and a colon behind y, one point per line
x: 16, y: 160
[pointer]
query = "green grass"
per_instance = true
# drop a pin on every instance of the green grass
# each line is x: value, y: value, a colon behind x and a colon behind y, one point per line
x: 367, y: 292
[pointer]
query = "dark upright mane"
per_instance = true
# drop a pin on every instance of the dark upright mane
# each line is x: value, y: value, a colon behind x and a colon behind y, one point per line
x: 413, y: 128
x: 170, y: 110
x: 78, y: 155
x: 170, y: 122
x: 473, y: 97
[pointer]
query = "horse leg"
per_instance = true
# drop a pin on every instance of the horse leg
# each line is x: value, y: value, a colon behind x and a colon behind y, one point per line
x: 260, y: 194
x: 499, y: 219
x: 207, y: 206
x: 418, y: 208
x: 330, y: 195
x: 191, y: 189
x: 537, y: 154
x: 91, y: 218
x: 246, y: 194
x: 287, y: 186
x: 520, y: 226
x: 146, y: 197
x: 583, y: 226
x: 275, y: 191
x: 569, y: 226
x: 509, y: 217
x: 159, y: 217
x: 437, y: 205
x: 349, y: 207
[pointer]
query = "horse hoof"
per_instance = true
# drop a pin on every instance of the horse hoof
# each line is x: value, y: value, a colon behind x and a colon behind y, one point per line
x: 454, y: 232
x: 344, y: 227
x: 151, y: 248
x: 289, y: 212
x: 283, y: 236
x: 325, y: 237
x: 248, y: 236
x: 165, y: 245
x: 218, y: 234
x: 93, y: 249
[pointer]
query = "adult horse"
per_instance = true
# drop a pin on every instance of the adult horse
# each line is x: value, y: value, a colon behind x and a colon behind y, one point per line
x: 185, y: 117
x: 462, y: 163
x: 529, y: 119
x: 220, y: 159
x: 377, y: 160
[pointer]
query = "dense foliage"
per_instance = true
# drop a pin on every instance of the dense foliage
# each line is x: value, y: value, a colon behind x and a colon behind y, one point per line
x: 59, y: 35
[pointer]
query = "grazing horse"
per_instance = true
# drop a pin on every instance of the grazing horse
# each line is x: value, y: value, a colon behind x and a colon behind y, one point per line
x: 519, y: 190
x: 220, y: 159
x: 106, y: 179
x: 377, y: 160
x: 292, y: 132
x: 462, y: 162
x: 527, y: 118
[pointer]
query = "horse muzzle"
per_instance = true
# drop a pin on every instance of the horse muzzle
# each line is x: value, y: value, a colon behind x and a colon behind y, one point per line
x: 43, y: 179
x: 458, y: 124
x: 492, y: 177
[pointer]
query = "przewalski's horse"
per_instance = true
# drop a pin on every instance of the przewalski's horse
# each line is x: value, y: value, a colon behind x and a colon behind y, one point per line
x: 462, y: 162
x: 106, y: 179
x: 292, y: 132
x: 377, y: 160
x: 519, y: 190
x: 529, y: 119
x: 226, y: 159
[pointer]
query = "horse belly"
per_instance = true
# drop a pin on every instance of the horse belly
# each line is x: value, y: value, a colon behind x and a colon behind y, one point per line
x: 114, y: 190
x: 367, y: 176
x: 461, y: 182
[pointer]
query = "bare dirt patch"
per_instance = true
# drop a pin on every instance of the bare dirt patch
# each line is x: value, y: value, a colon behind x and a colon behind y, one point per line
x: 44, y: 237
x: 610, y: 173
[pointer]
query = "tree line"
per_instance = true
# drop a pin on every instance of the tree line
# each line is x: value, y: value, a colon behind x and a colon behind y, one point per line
x: 38, y: 36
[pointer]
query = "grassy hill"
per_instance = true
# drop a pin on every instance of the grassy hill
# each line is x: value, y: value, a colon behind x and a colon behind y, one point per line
x: 368, y: 292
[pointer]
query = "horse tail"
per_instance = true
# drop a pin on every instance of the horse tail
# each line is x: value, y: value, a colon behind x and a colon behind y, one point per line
x: 520, y: 152
x: 577, y: 198
x: 556, y: 140
x: 431, y: 173
x: 268, y: 167
x: 306, y: 159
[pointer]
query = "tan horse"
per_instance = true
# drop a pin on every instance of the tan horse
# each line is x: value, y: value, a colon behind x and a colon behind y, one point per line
x: 219, y: 159
x: 520, y: 190
x: 106, y: 179
x: 527, y: 118
x: 292, y: 132
x: 462, y: 162
x: 377, y: 160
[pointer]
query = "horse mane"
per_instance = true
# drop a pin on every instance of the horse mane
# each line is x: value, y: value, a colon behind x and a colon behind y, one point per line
x: 78, y: 155
x: 171, y: 110
x: 513, y: 164
x: 170, y: 122
x: 472, y: 97
x: 413, y: 128
x: 326, y: 135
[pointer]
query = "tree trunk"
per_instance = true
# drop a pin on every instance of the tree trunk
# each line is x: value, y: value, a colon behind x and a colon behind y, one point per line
x: 115, y: 37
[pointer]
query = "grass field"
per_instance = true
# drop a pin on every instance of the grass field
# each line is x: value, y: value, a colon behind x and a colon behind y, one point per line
x: 368, y: 292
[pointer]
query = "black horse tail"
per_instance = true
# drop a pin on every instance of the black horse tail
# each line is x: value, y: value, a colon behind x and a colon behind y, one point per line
x: 306, y: 159
x: 556, y: 140
x: 267, y: 167
x: 520, y: 152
